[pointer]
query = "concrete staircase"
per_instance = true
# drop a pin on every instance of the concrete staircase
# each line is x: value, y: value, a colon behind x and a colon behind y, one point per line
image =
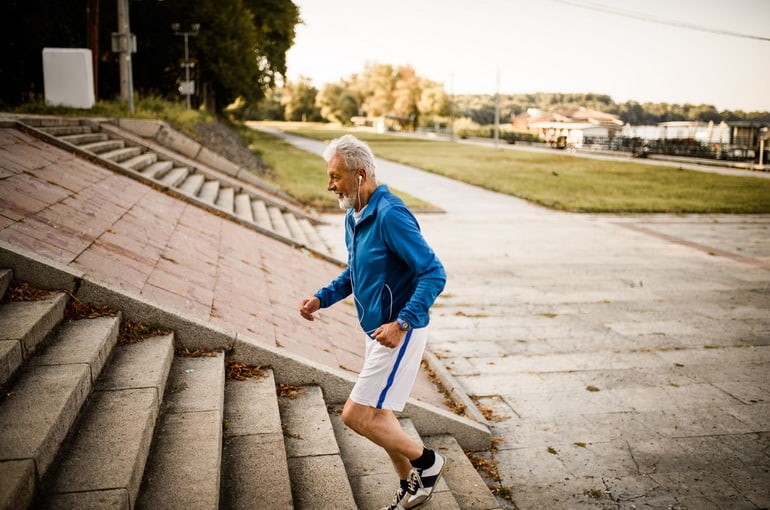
x: 89, y: 421
x: 238, y: 194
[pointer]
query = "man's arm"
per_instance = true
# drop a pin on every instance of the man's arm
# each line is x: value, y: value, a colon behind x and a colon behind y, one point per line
x: 403, y: 236
x: 337, y: 290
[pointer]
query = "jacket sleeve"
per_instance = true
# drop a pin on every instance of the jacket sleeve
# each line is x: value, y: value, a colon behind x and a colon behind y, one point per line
x: 337, y: 290
x: 402, y: 235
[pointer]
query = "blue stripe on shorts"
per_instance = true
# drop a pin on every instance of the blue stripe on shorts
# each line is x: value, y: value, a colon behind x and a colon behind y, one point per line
x: 392, y: 375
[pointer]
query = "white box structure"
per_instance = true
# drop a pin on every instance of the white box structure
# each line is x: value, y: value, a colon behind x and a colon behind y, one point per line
x: 68, y: 77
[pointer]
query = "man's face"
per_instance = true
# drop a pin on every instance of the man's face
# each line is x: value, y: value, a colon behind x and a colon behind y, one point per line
x: 342, y: 182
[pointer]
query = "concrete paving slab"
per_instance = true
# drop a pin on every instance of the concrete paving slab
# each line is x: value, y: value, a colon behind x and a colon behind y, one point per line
x: 468, y: 488
x: 643, y: 297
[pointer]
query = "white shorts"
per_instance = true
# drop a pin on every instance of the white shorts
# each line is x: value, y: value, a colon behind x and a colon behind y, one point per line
x: 388, y: 374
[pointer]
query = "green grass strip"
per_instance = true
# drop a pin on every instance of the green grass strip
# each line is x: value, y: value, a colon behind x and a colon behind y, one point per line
x: 571, y: 183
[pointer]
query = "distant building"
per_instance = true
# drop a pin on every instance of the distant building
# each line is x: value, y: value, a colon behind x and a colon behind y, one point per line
x: 570, y: 127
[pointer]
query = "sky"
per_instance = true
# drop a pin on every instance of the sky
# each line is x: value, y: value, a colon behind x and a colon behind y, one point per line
x: 529, y: 46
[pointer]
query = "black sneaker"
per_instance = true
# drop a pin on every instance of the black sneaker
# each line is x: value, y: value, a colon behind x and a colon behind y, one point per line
x: 422, y: 482
x: 398, y: 497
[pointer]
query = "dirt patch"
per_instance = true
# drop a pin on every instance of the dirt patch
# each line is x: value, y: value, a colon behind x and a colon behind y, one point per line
x: 226, y: 142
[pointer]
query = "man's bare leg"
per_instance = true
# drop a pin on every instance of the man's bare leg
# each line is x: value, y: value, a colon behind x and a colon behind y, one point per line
x: 382, y: 428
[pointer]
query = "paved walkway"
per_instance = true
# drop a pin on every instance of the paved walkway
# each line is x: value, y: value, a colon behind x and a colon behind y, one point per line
x: 627, y: 358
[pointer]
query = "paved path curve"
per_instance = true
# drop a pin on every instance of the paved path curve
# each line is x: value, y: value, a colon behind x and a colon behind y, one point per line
x: 625, y: 358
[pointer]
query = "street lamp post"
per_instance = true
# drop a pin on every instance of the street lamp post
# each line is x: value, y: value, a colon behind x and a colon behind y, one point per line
x: 188, y: 87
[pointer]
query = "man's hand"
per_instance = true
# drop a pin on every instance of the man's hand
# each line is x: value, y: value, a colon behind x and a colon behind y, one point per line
x: 308, y: 306
x: 389, y: 335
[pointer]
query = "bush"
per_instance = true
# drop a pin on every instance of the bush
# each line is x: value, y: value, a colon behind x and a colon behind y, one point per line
x: 465, y: 127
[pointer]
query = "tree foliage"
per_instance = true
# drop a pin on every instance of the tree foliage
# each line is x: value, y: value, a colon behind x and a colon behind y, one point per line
x: 240, y: 50
x: 481, y: 108
x: 299, y: 101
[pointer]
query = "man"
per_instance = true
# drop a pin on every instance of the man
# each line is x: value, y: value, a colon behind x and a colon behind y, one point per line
x: 394, y: 277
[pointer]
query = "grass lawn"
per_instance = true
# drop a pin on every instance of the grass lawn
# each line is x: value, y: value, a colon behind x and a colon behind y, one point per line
x: 303, y: 175
x: 566, y: 182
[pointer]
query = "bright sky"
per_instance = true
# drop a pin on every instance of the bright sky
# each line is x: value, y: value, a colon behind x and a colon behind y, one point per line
x: 548, y: 46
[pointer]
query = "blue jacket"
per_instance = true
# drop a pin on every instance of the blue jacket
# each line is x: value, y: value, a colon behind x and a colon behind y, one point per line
x: 392, y: 272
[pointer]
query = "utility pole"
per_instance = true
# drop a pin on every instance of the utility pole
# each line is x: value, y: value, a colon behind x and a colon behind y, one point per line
x: 497, y: 107
x: 452, y: 107
x: 92, y: 15
x: 124, y: 43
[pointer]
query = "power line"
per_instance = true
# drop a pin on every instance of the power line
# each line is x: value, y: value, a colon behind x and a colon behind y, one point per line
x: 592, y: 6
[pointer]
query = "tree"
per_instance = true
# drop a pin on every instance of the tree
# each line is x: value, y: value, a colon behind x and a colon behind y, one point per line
x: 242, y: 45
x: 299, y: 101
x: 434, y: 101
x: 376, y: 86
x: 240, y: 50
x: 28, y: 26
x: 338, y: 103
x: 406, y: 92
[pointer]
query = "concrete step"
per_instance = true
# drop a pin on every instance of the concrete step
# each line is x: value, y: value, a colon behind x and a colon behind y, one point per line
x: 278, y: 221
x: 371, y: 472
x: 217, y: 191
x: 226, y: 200
x: 192, y: 184
x: 175, y: 177
x: 142, y: 161
x: 183, y: 469
x: 44, y: 402
x: 314, y: 239
x: 67, y: 130
x: 82, y: 139
x: 209, y: 191
x: 119, y: 155
x: 261, y: 216
x: 23, y: 327
x: 255, y: 467
x: 6, y: 276
x: 103, y: 146
x: 157, y: 169
x: 318, y: 478
x: 296, y: 231
x: 106, y: 454
x: 468, y: 488
x: 242, y: 207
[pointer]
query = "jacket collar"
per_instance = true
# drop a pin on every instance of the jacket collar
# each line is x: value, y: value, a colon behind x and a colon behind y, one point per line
x: 371, y: 205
